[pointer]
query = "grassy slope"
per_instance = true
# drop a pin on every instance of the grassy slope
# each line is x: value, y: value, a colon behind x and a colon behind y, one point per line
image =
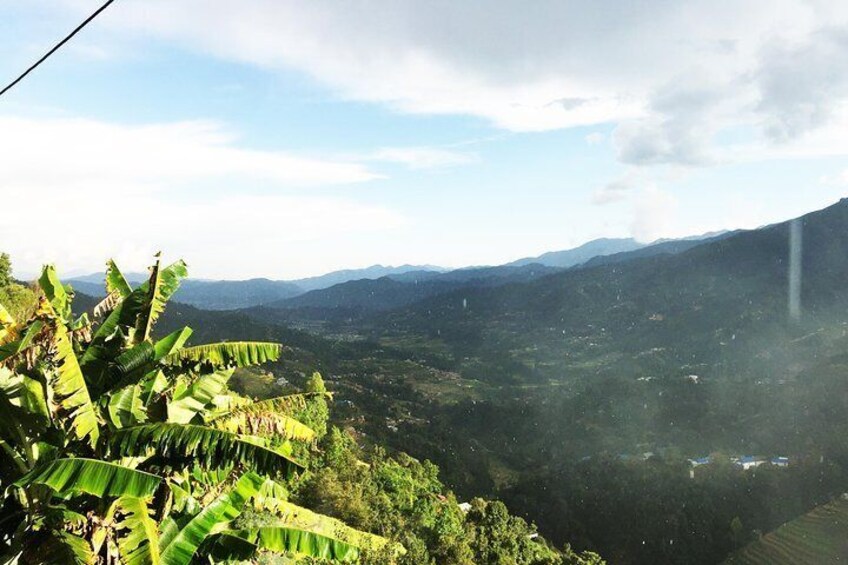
x: 818, y: 537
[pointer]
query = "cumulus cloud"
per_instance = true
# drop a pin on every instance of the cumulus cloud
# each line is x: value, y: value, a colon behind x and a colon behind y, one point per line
x: 522, y: 67
x: 684, y: 117
x: 802, y: 83
x: 106, y: 190
x: 773, y: 65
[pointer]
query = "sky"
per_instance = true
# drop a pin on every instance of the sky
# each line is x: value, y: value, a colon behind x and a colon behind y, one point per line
x: 283, y: 139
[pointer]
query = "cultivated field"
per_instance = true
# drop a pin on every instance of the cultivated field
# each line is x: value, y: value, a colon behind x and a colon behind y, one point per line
x: 818, y: 537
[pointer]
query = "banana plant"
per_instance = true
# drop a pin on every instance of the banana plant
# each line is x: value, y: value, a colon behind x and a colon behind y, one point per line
x: 118, y: 447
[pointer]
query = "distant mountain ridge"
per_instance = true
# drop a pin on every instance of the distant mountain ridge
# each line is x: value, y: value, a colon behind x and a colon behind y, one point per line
x: 596, y: 249
x: 380, y: 287
x: 571, y: 257
x: 230, y: 295
x: 388, y: 293
x: 396, y: 291
x: 372, y: 272
x: 719, y: 305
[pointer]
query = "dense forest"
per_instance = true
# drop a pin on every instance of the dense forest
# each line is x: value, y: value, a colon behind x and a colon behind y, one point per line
x: 630, y: 506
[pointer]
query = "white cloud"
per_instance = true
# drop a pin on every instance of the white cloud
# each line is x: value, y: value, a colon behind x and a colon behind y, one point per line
x: 654, y: 213
x: 801, y: 83
x: 543, y: 66
x: 684, y: 118
x: 423, y: 157
x: 77, y: 192
x: 86, y: 149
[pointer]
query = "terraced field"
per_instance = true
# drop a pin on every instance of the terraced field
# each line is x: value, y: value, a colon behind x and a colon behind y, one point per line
x: 817, y: 538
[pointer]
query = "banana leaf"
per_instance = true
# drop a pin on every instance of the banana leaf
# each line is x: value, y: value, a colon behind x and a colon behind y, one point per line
x: 190, y: 400
x: 24, y: 392
x: 264, y: 423
x: 163, y: 283
x: 55, y: 292
x: 9, y: 349
x: 98, y: 478
x: 226, y: 354
x: 69, y: 388
x: 223, y: 509
x: 284, y: 539
x: 127, y: 407
x: 116, y: 283
x: 140, y: 544
x: 202, y: 445
x: 171, y: 343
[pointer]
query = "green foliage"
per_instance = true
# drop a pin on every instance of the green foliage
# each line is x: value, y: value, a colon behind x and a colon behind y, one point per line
x: 98, y: 478
x: 252, y: 383
x: 282, y: 539
x: 224, y: 508
x: 168, y: 465
x: 70, y: 391
x: 499, y: 538
x: 18, y: 300
x: 138, y: 532
x: 265, y: 418
x: 165, y: 458
x: 403, y: 499
x: 314, y: 412
x: 316, y: 383
x: 355, y: 483
x: 209, y: 447
x: 224, y: 355
x: 5, y: 270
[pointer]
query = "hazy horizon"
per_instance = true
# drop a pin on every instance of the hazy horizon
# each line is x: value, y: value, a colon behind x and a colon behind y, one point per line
x: 133, y: 269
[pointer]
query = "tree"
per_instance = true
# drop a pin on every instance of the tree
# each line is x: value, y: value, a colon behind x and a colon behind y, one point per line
x: 116, y: 447
x: 5, y: 270
x: 16, y: 300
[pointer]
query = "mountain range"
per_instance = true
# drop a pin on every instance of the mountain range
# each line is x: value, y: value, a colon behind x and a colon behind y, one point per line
x: 380, y: 288
x: 395, y: 291
x: 581, y: 254
x: 610, y: 341
x: 234, y: 294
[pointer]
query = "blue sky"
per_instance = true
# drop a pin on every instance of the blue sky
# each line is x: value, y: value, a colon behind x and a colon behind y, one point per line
x: 286, y: 139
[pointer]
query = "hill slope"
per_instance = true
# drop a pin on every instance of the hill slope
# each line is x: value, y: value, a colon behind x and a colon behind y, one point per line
x: 820, y: 536
x: 372, y: 272
x: 211, y: 295
x: 397, y: 291
x: 717, y: 307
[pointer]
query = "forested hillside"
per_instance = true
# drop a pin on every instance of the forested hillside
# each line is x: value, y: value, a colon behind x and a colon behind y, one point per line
x: 609, y: 378
x: 128, y: 444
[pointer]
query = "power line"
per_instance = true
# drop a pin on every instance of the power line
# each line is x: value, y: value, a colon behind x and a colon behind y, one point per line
x: 56, y: 47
